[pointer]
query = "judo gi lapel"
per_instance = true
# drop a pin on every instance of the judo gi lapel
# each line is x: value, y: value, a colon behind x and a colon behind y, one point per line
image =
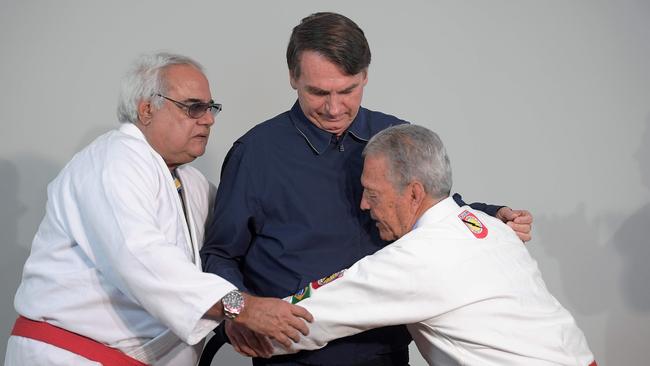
x: 190, y: 228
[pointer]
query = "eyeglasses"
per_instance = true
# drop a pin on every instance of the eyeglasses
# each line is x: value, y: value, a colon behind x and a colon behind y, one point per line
x: 198, y: 109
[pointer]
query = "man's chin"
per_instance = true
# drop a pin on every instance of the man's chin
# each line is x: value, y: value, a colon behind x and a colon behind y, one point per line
x: 338, y: 131
x: 386, y: 236
x: 197, y: 151
x: 191, y: 156
x: 336, y: 128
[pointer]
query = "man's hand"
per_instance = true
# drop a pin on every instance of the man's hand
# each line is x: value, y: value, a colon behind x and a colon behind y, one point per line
x: 247, y: 342
x: 521, y: 221
x: 274, y: 318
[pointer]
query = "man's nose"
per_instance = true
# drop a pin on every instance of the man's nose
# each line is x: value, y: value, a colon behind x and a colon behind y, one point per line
x: 334, y: 104
x: 364, y: 204
x: 207, y: 119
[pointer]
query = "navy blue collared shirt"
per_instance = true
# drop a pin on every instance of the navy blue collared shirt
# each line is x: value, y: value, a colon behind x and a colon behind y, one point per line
x: 287, y: 212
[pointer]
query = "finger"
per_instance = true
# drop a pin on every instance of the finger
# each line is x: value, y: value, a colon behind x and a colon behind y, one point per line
x: 299, y: 325
x: 247, y: 348
x: 520, y: 228
x: 240, y: 345
x: 234, y: 340
x: 284, y: 341
x: 524, y: 218
x: 239, y: 340
x: 239, y: 349
x: 522, y: 231
x: 505, y: 214
x: 247, y: 351
x: 263, y: 345
x: 256, y: 344
x: 302, y: 312
x: 293, y: 334
x: 268, y: 346
x: 228, y: 326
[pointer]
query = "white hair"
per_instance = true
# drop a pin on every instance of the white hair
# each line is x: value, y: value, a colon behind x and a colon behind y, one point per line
x: 144, y: 79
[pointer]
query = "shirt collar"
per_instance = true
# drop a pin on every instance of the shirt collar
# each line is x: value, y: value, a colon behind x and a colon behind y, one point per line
x: 437, y: 212
x: 132, y: 130
x: 319, y: 139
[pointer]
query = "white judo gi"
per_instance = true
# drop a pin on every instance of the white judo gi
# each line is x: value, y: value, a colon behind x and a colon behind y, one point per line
x: 114, y: 259
x: 467, y: 288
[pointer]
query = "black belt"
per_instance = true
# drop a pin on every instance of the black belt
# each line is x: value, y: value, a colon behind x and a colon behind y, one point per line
x: 396, y: 358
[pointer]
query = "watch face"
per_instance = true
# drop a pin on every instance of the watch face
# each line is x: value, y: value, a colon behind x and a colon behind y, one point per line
x: 233, y: 303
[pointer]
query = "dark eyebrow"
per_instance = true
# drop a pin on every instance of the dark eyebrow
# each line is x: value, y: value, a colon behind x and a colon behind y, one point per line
x: 195, y: 100
x: 315, y: 90
x: 349, y: 89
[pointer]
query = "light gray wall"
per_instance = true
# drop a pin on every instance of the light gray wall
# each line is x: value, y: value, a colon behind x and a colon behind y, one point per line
x: 543, y: 105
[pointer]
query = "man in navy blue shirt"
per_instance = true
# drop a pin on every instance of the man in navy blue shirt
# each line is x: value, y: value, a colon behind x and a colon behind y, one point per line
x: 287, y: 209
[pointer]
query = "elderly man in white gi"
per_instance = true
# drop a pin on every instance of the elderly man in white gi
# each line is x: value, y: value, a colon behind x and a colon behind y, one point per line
x: 114, y: 275
x: 462, y: 281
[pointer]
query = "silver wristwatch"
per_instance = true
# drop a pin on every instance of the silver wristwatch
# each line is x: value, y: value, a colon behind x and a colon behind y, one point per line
x: 233, y: 304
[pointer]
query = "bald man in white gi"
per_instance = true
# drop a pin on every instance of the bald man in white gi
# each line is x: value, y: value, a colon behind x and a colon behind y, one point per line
x: 462, y: 281
x: 114, y: 275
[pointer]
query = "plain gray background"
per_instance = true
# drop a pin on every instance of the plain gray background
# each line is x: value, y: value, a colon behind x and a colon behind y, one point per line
x: 543, y: 105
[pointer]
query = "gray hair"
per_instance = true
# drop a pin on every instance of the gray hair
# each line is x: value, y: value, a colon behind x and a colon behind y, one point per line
x: 144, y: 79
x: 413, y: 153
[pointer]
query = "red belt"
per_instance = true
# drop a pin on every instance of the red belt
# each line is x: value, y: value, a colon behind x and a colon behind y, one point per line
x: 73, y: 342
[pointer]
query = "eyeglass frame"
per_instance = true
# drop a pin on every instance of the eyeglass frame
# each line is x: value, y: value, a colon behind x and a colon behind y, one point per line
x: 214, y: 108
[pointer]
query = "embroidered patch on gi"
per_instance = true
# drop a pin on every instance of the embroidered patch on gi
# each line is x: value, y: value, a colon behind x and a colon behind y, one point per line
x: 305, y: 293
x: 474, y: 225
x: 326, y: 280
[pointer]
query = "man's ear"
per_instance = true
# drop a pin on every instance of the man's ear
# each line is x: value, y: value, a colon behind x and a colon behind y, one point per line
x: 365, y: 77
x: 145, y: 112
x: 417, y: 194
x: 292, y: 80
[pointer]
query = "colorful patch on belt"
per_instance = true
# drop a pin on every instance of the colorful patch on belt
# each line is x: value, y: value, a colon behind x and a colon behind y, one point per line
x: 326, y: 280
x: 473, y: 224
x: 305, y: 293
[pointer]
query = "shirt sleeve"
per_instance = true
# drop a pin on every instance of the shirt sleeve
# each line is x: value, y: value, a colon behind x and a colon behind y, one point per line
x: 120, y: 217
x: 229, y: 233
x: 393, y: 286
x: 480, y: 206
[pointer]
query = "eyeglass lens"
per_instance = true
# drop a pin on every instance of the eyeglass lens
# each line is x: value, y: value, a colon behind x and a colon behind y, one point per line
x: 197, y: 110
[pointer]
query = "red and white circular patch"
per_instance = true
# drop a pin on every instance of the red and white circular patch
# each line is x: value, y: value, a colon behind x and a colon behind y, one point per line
x: 474, y: 225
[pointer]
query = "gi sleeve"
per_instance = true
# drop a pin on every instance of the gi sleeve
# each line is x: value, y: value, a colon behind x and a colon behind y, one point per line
x: 232, y: 226
x: 121, y: 220
x: 393, y: 286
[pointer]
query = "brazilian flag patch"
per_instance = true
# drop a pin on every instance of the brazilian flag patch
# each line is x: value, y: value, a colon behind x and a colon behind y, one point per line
x: 305, y: 293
